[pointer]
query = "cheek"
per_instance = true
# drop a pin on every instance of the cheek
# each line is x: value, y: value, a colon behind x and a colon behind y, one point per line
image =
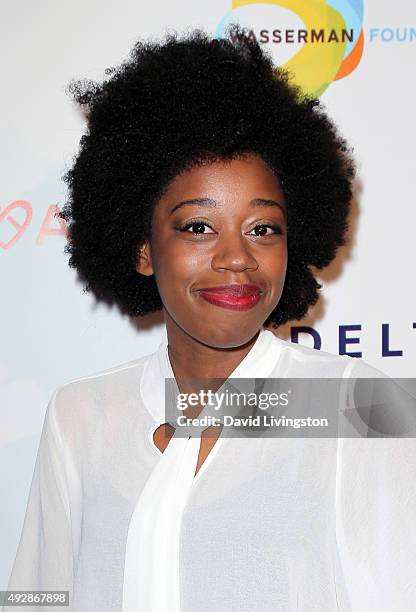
x: 176, y: 268
x: 276, y: 264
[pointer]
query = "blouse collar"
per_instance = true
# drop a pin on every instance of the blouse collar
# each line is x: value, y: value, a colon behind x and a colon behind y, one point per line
x: 258, y: 363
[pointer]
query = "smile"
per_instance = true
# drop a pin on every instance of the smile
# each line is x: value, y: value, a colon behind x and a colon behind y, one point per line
x: 237, y: 297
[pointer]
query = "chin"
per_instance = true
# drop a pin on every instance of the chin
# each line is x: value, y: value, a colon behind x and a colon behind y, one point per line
x: 228, y: 336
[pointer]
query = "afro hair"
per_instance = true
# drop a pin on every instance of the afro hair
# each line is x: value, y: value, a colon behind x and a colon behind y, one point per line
x: 189, y: 100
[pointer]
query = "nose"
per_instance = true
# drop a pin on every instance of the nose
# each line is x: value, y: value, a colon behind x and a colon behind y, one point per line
x: 233, y: 253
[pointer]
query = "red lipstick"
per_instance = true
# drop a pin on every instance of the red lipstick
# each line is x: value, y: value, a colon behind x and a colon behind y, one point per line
x: 234, y: 297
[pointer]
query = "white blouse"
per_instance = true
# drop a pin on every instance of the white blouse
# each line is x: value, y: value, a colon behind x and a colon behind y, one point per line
x: 266, y: 525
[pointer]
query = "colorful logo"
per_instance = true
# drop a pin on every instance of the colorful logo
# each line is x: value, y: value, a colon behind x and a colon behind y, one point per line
x: 326, y: 40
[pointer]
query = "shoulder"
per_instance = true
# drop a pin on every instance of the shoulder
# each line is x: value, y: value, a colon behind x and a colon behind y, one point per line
x: 322, y: 363
x: 86, y: 399
x: 107, y: 377
x: 309, y: 361
x: 307, y: 352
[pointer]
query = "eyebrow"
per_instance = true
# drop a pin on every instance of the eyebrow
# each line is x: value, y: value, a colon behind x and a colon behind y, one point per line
x: 210, y: 203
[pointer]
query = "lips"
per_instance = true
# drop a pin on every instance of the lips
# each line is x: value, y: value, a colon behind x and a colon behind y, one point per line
x: 235, y: 297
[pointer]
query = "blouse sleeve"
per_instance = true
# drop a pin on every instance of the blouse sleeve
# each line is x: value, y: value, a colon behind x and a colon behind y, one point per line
x: 376, y: 522
x: 44, y: 559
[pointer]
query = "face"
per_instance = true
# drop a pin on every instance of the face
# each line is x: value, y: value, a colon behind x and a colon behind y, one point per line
x: 218, y: 251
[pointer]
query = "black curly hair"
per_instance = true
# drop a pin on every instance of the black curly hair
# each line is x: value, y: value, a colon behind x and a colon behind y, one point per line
x: 186, y: 101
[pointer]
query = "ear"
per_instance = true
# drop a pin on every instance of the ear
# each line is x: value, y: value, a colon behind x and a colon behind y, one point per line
x: 144, y: 260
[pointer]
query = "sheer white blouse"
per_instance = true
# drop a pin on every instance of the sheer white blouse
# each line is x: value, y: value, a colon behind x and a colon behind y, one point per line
x: 266, y: 525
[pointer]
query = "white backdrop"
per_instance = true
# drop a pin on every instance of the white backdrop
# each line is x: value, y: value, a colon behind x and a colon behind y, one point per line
x: 51, y: 332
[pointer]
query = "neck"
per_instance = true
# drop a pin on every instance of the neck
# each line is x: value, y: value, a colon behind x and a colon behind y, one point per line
x: 191, y: 358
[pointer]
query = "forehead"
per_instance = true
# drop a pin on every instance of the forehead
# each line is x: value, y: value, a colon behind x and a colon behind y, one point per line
x: 247, y: 176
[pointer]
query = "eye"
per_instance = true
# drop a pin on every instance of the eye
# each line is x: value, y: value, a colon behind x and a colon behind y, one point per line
x: 198, y: 227
x: 276, y: 229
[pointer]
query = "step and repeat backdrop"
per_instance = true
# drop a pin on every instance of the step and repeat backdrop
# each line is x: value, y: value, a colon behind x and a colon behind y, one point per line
x: 356, y: 56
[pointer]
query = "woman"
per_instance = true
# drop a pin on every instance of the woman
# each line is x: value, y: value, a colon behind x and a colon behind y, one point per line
x: 206, y: 186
